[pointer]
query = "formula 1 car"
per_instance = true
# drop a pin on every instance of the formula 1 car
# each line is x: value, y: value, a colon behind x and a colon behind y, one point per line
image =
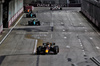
x: 31, y: 15
x: 48, y: 48
x: 28, y: 11
x: 56, y: 8
x: 34, y: 22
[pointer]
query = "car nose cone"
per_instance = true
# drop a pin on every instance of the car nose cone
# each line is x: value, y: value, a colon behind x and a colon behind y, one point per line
x: 46, y: 50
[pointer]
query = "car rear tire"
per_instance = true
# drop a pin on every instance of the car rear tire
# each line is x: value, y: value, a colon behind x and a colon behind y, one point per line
x: 35, y: 15
x: 29, y: 23
x: 50, y: 8
x: 26, y: 15
x: 56, y: 49
x: 39, y: 23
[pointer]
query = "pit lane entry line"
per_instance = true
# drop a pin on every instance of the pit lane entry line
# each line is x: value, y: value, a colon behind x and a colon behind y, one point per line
x: 11, y: 30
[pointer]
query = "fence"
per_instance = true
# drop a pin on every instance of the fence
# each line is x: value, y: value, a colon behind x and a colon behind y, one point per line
x: 90, y: 9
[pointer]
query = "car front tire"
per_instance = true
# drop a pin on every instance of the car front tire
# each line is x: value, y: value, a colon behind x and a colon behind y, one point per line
x: 39, y: 50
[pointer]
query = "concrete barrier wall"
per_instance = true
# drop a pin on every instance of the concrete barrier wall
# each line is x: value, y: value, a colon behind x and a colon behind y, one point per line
x: 1, y: 15
x: 90, y: 9
x: 15, y: 17
x: 15, y: 9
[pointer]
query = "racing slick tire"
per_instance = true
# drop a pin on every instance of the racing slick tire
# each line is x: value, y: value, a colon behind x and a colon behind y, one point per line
x: 50, y: 8
x: 56, y: 49
x: 34, y: 15
x: 38, y: 23
x: 26, y: 15
x: 39, y: 50
x: 60, y: 8
x: 29, y: 23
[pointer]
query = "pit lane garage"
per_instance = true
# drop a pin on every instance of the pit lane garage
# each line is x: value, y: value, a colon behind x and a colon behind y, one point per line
x: 34, y: 22
x: 48, y: 48
x: 31, y: 15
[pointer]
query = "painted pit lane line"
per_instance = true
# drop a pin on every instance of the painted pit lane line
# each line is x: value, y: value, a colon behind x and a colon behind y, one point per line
x: 11, y: 29
x: 37, y: 61
x: 97, y: 47
x: 35, y: 46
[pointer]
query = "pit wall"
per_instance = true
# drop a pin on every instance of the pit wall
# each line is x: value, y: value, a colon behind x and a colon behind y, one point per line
x: 90, y: 9
x: 15, y: 9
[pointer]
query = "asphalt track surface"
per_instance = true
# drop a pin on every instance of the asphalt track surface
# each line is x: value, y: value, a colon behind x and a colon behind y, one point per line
x: 77, y: 39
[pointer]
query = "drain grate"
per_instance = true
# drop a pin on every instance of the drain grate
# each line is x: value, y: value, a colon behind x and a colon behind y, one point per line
x: 86, y: 58
x: 85, y: 55
x: 86, y: 61
x: 69, y: 59
x: 87, y: 65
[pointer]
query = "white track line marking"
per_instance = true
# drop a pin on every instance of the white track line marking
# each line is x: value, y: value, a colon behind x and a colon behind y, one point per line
x: 63, y: 30
x: 68, y: 46
x: 85, y: 30
x: 83, y: 50
x: 65, y: 37
x: 11, y: 30
x: 97, y: 47
x: 84, y: 53
x: 81, y: 45
x: 62, y: 23
x: 79, y: 40
x: 35, y: 46
x: 51, y: 36
x: 91, y: 38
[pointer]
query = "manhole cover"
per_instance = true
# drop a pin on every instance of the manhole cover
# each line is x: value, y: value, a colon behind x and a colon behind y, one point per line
x: 85, y: 55
x: 85, y: 58
x: 86, y: 61
x: 69, y: 59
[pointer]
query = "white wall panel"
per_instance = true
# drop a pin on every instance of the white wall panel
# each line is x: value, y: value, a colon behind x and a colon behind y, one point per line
x: 1, y: 15
x: 15, y: 8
